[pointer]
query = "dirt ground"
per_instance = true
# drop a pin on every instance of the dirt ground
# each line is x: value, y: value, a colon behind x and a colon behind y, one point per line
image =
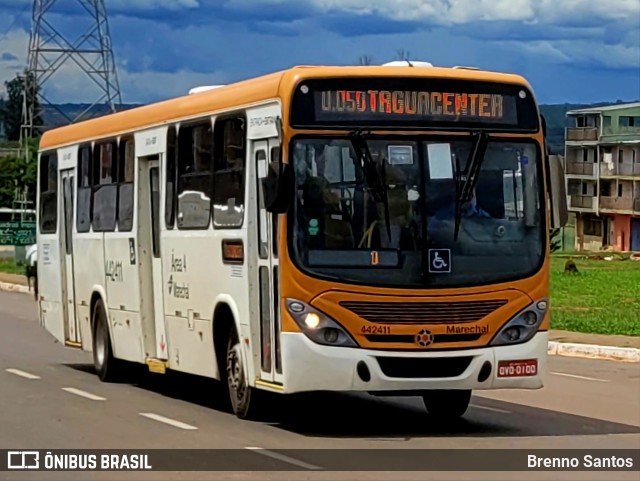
x: 13, y: 278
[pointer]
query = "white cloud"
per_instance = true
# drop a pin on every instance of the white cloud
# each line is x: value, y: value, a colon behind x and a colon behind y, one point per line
x: 172, y: 5
x: 162, y: 51
x: 584, y: 53
x: 69, y: 84
x: 141, y: 87
x: 438, y: 11
x: 15, y: 42
x: 447, y: 12
x: 608, y: 30
x: 541, y: 49
x: 566, y: 10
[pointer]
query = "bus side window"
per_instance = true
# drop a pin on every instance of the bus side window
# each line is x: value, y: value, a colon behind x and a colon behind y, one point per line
x: 194, y: 181
x: 105, y: 189
x: 83, y: 216
x: 170, y: 200
x: 49, y: 193
x: 126, y: 178
x: 229, y: 178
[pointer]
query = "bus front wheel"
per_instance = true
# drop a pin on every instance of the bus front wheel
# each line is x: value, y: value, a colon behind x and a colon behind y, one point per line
x: 242, y: 396
x: 107, y: 367
x: 449, y: 404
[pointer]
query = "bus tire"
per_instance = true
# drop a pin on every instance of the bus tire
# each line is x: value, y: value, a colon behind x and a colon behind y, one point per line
x: 447, y: 404
x: 241, y: 395
x: 108, y: 368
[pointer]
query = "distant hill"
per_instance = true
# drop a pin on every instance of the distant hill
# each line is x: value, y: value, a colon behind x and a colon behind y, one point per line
x: 554, y: 113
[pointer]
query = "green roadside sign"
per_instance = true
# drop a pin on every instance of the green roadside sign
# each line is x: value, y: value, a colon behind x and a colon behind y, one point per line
x: 17, y: 233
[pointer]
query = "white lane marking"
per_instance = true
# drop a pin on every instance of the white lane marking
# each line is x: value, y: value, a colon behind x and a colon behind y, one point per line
x: 83, y: 394
x: 487, y: 408
x: 575, y: 376
x: 171, y: 422
x: 20, y: 373
x: 283, y: 458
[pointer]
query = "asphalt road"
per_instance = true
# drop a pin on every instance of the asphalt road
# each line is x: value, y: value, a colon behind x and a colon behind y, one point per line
x: 51, y: 399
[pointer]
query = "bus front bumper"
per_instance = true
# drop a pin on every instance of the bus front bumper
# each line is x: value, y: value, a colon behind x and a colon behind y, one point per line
x: 312, y: 367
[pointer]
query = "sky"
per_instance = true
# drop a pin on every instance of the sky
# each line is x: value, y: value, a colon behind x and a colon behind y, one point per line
x: 575, y: 51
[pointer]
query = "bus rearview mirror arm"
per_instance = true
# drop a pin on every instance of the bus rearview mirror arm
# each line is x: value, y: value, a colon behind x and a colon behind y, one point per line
x: 278, y: 180
x: 276, y: 187
x: 557, y: 193
x: 559, y: 213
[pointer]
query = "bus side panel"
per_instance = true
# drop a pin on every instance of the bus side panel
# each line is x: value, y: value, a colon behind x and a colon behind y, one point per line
x: 122, y: 281
x: 191, y: 349
x: 189, y: 276
x: 50, y: 288
x: 195, y: 280
x: 89, y: 278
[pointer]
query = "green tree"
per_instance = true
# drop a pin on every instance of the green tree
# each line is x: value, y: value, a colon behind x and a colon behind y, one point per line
x: 14, y: 103
x: 18, y: 171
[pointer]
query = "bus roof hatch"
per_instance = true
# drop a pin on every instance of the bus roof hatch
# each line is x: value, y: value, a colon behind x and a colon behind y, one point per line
x: 408, y: 63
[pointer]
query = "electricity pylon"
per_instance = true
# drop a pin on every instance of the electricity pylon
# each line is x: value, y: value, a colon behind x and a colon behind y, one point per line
x: 51, y: 48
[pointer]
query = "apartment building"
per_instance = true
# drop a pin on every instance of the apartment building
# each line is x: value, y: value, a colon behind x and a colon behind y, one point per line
x: 602, y: 163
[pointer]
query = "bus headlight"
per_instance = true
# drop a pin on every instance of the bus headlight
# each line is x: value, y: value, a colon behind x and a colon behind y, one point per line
x: 523, y: 326
x: 317, y: 326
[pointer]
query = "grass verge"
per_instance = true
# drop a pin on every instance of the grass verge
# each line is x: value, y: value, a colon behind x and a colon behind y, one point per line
x: 9, y: 266
x: 602, y: 298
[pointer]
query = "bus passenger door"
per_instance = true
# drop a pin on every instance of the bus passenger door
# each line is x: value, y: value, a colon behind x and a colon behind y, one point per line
x: 72, y: 330
x: 153, y: 190
x: 264, y: 152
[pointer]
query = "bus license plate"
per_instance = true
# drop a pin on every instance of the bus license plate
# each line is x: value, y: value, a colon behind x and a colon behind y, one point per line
x: 520, y: 368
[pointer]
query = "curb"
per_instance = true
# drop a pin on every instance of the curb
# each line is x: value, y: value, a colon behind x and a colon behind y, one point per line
x: 590, y: 351
x: 566, y: 349
x: 8, y: 287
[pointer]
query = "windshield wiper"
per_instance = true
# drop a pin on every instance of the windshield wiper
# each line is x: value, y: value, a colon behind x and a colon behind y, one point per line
x: 465, y: 191
x: 375, y: 180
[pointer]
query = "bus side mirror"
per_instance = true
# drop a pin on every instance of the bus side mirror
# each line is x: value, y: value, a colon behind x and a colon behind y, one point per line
x: 557, y: 192
x: 275, y: 187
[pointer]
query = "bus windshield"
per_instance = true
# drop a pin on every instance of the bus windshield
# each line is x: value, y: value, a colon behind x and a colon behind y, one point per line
x: 434, y: 237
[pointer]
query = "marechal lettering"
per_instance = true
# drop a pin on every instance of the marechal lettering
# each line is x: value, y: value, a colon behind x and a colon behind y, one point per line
x: 467, y: 329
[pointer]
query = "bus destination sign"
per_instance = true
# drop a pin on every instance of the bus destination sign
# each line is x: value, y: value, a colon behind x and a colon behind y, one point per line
x: 413, y: 103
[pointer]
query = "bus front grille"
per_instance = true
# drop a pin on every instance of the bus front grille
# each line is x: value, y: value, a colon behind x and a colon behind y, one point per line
x: 413, y: 368
x: 423, y: 312
x: 411, y: 339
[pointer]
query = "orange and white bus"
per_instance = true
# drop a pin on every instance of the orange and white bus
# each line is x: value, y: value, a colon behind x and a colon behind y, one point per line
x: 380, y: 229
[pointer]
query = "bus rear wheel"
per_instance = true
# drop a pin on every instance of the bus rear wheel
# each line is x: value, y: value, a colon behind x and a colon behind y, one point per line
x: 242, y: 396
x: 447, y: 405
x: 108, y: 368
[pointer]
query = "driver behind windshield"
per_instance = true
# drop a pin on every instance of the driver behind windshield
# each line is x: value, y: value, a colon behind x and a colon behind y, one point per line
x: 467, y: 209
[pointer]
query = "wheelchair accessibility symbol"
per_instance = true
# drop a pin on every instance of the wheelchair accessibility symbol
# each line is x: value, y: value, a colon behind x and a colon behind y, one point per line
x: 440, y: 260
